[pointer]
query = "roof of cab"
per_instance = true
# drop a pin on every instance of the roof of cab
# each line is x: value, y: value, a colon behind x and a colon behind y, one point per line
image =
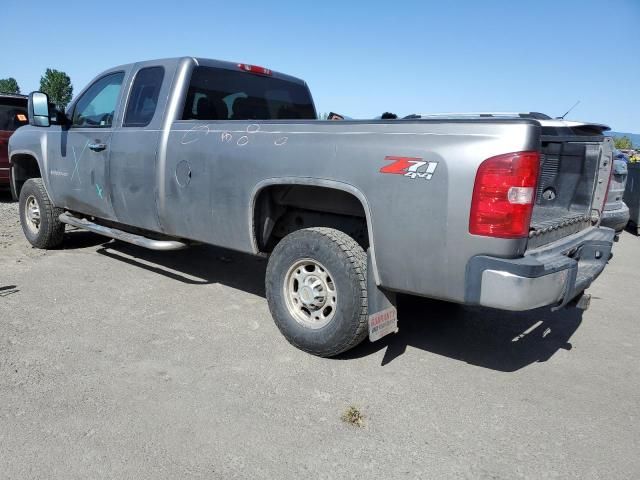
x: 209, y: 62
x: 205, y: 62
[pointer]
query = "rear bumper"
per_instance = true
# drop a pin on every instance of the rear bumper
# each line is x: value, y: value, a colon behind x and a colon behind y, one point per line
x: 616, y: 219
x: 550, y: 275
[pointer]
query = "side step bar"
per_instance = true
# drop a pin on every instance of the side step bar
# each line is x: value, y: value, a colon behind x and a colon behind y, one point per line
x: 121, y: 235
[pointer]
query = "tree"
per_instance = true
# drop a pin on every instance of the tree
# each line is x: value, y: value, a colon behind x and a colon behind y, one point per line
x: 9, y: 85
x: 622, y: 143
x: 58, y: 86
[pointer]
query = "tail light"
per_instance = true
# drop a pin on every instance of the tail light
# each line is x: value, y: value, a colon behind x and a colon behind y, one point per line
x: 254, y: 69
x: 503, y: 195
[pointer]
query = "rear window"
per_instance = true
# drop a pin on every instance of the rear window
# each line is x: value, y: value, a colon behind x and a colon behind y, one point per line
x: 219, y: 94
x: 13, y: 113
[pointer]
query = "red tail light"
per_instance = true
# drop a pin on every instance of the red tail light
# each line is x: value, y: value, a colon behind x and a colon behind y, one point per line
x: 254, y: 69
x: 503, y: 195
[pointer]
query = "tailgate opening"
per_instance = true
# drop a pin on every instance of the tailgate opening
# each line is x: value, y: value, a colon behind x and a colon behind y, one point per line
x: 573, y: 162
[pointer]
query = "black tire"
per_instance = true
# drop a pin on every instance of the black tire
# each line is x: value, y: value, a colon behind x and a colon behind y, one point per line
x: 50, y: 231
x: 346, y: 263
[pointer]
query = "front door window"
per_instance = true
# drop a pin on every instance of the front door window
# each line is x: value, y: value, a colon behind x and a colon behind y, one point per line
x: 96, y: 108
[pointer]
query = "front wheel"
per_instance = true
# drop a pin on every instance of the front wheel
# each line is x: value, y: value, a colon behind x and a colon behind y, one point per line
x: 316, y: 288
x: 38, y: 216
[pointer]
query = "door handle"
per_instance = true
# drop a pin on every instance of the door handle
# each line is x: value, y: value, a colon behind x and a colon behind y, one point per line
x: 97, y: 147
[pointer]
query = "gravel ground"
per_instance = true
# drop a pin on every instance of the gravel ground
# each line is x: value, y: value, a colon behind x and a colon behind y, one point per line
x: 9, y: 221
x: 116, y: 362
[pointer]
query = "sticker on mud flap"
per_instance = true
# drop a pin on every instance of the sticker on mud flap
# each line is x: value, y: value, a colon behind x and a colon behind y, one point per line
x: 410, y: 167
x: 383, y: 323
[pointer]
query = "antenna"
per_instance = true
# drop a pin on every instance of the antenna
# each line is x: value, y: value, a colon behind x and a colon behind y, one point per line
x: 567, y: 112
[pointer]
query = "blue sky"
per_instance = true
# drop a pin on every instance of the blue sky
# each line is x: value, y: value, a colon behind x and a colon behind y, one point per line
x: 361, y: 58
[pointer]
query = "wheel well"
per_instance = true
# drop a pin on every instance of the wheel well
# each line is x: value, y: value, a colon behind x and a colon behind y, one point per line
x: 282, y: 209
x: 23, y: 168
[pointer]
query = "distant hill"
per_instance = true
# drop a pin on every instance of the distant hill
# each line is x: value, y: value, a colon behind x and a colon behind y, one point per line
x: 635, y: 137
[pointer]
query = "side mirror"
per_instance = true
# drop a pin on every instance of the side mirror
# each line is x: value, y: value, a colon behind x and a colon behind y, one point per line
x: 38, y: 109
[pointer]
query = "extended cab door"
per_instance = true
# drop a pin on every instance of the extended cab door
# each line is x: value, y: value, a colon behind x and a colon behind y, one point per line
x: 135, y: 145
x: 83, y: 151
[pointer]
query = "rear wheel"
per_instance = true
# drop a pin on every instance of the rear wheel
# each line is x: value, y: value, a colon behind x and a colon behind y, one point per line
x: 38, y: 216
x: 317, y: 290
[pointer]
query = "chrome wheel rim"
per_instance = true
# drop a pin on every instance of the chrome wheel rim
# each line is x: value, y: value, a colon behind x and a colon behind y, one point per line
x: 310, y: 293
x: 32, y: 214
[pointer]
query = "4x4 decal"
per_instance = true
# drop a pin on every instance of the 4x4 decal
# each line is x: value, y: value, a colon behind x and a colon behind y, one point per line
x: 412, y: 167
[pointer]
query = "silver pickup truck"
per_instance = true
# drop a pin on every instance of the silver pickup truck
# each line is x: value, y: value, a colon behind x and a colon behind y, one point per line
x: 496, y: 211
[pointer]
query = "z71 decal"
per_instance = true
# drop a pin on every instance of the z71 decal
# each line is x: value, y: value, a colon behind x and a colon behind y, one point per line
x: 411, y: 167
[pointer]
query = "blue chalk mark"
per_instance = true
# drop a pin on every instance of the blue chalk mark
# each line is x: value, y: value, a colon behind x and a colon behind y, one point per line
x: 99, y: 190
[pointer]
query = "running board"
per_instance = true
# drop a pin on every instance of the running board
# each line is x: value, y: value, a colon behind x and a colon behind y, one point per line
x: 121, y: 235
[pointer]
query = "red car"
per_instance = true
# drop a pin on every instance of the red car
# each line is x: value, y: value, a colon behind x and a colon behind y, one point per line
x: 13, y: 114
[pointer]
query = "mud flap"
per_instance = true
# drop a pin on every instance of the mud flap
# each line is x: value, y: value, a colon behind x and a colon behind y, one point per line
x: 383, y: 315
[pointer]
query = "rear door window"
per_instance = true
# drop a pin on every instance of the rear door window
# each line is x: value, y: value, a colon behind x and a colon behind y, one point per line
x: 143, y: 98
x: 13, y: 113
x: 221, y: 94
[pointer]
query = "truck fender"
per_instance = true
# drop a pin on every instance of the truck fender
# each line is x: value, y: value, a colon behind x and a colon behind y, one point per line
x: 316, y: 182
x: 39, y: 161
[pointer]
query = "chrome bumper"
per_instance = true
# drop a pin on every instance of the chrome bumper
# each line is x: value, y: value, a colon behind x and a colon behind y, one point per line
x: 551, y: 275
x: 616, y: 219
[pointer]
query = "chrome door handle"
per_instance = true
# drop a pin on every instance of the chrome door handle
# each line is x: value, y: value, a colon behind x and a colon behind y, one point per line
x: 97, y: 147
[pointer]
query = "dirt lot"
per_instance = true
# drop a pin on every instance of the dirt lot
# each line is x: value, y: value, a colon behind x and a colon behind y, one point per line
x: 117, y: 362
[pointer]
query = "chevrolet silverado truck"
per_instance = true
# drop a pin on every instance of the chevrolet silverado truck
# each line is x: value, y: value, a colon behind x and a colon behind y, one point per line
x: 502, y: 212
